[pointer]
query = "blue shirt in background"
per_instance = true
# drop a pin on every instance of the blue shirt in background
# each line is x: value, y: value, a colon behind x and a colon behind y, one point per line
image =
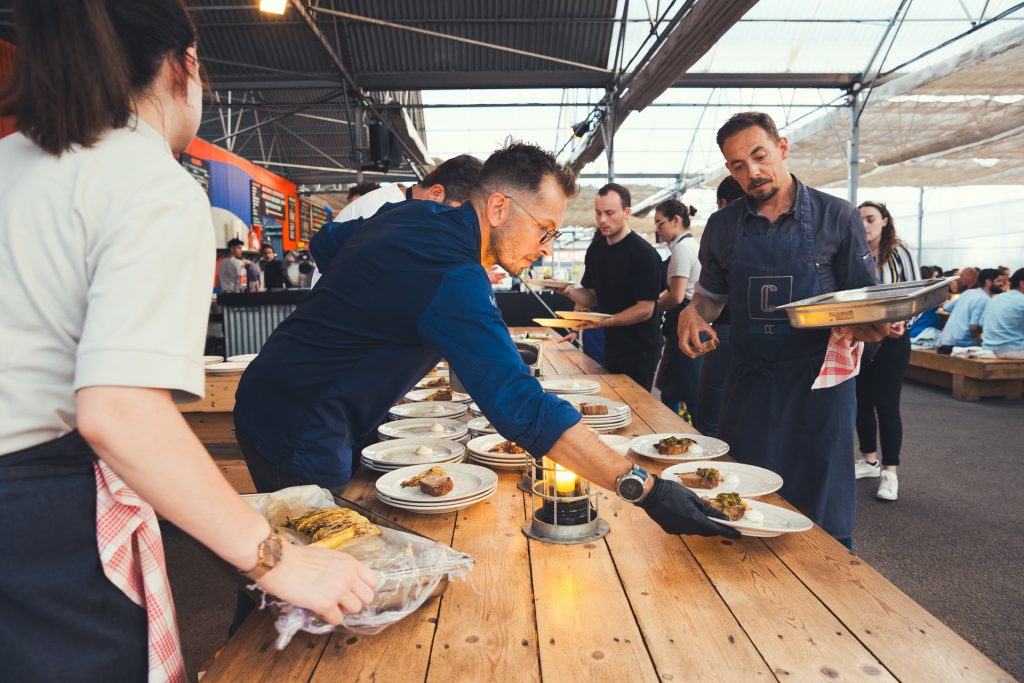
x: 399, y: 291
x: 966, y: 310
x: 1004, y: 322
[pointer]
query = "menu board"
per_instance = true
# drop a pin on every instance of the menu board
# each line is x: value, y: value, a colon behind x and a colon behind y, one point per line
x: 271, y: 203
x: 317, y: 217
x: 198, y: 169
x: 257, y: 195
x: 293, y: 217
x: 304, y: 230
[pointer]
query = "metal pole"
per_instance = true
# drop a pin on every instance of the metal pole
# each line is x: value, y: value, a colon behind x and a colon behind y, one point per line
x: 853, y: 152
x: 920, y: 225
x: 610, y: 143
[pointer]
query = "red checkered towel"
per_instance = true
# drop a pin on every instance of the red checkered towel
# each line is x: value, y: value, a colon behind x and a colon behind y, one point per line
x: 842, y: 359
x: 132, y: 555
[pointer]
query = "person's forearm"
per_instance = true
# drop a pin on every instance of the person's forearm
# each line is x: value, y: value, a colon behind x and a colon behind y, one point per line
x: 580, y: 451
x: 674, y: 295
x: 637, y: 313
x: 141, y: 435
x: 706, y: 308
x: 582, y: 296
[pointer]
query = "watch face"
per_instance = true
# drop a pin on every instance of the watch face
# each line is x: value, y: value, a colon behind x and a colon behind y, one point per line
x: 631, y: 489
x: 270, y: 552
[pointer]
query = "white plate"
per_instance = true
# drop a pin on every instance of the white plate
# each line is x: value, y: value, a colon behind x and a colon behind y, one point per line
x: 474, y: 410
x: 499, y: 465
x: 570, y: 386
x: 404, y: 451
x: 207, y: 360
x: 441, y: 503
x: 481, y: 425
x: 242, y: 358
x: 469, y: 481
x: 548, y: 284
x: 482, y: 445
x: 559, y: 323
x: 753, y: 481
x: 776, y: 521
x: 616, y: 409
x: 586, y: 316
x: 614, y: 440
x: 233, y: 368
x: 423, y: 428
x: 385, y: 468
x: 644, y: 445
x: 604, y: 430
x: 454, y: 507
x: 421, y: 395
x: 424, y: 383
x: 428, y: 409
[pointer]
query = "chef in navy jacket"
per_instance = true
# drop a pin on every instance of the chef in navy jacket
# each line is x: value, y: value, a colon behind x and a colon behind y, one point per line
x: 783, y: 242
x: 400, y: 291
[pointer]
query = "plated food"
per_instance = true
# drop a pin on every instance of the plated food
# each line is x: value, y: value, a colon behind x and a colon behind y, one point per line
x: 432, y: 382
x: 559, y: 323
x: 432, y: 472
x: 482, y: 450
x: 677, y: 447
x: 747, y: 480
x: 506, y: 446
x: 442, y: 395
x: 437, y: 489
x: 333, y: 528
x: 392, y: 454
x: 733, y: 507
x: 424, y: 427
x: 593, y: 409
x: 754, y: 518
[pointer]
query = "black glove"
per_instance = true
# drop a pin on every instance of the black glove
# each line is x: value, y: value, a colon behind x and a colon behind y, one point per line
x: 677, y: 510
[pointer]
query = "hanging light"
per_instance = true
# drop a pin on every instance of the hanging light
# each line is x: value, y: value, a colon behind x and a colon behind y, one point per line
x: 273, y: 6
x: 582, y: 128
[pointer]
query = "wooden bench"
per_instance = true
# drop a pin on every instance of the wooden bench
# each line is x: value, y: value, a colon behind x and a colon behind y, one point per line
x: 969, y: 378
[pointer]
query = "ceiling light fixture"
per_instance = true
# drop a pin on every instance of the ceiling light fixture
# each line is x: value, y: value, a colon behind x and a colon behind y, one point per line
x: 273, y: 6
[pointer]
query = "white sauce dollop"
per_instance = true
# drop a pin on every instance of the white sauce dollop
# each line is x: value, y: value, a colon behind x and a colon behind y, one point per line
x: 695, y: 449
x: 753, y: 516
x: 731, y: 479
x: 437, y: 427
x: 424, y: 450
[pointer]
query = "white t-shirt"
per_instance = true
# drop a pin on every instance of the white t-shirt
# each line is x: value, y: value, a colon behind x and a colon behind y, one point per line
x: 365, y: 206
x: 683, y: 261
x: 105, y: 273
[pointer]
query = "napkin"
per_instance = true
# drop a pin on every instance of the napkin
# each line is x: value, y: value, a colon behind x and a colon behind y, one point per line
x: 842, y: 359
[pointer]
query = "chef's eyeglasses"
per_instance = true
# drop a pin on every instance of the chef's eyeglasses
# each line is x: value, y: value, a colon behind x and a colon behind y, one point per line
x: 549, y: 234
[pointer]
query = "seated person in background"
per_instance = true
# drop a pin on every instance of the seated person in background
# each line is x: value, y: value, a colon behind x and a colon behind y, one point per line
x: 966, y: 313
x: 1005, y: 270
x: 1004, y: 320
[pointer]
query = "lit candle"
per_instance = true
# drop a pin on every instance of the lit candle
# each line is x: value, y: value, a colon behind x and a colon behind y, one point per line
x: 565, y: 481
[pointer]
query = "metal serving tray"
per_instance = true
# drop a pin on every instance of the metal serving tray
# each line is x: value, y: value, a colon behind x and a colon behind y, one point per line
x: 868, y: 305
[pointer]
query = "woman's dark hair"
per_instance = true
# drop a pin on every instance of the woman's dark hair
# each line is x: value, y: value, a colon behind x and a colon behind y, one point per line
x: 673, y: 208
x: 887, y: 243
x: 81, y: 64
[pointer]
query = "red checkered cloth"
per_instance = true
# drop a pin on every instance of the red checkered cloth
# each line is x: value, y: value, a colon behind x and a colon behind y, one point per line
x: 842, y: 359
x: 132, y: 554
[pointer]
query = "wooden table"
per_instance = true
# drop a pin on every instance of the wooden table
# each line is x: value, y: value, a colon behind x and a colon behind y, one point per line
x: 969, y: 378
x: 638, y: 605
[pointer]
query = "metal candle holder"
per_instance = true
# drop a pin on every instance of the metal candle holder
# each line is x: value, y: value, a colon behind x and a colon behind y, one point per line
x: 565, y: 506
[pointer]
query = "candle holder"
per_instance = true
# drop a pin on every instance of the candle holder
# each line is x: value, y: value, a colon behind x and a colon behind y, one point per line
x: 565, y: 506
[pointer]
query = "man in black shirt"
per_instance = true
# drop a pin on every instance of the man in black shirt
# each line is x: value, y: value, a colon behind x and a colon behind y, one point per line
x: 623, y: 277
x: 275, y: 276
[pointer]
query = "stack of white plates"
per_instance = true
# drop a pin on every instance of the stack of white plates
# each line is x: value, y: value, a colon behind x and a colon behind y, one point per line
x: 618, y: 416
x: 565, y: 385
x: 394, y: 454
x: 427, y: 409
x: 422, y: 394
x: 242, y: 358
x: 208, y: 360
x: 424, y: 427
x: 475, y: 411
x: 707, y: 447
x: 228, y: 368
x: 479, y: 426
x: 480, y: 452
x: 471, y: 484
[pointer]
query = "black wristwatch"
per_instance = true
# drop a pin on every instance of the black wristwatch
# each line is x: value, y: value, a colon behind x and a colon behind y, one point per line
x: 630, y: 485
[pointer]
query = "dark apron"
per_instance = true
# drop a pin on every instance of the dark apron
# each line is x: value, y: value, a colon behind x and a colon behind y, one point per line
x: 770, y: 416
x: 60, y: 617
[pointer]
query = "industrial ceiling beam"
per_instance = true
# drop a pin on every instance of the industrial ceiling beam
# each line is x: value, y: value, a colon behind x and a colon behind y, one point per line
x: 407, y: 137
x: 688, y: 40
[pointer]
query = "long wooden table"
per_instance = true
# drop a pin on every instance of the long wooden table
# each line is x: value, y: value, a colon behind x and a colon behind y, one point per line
x: 638, y: 605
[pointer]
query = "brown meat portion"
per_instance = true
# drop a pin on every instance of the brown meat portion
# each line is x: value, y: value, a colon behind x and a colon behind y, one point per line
x: 433, y: 485
x: 593, y: 409
x: 695, y: 481
x: 733, y: 512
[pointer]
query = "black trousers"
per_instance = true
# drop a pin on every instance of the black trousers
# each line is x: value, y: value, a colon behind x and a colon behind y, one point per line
x: 638, y: 363
x: 61, y: 619
x: 879, y: 386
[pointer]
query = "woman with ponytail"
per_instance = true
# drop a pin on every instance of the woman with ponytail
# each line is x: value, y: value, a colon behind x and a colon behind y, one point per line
x: 96, y: 350
x: 678, y: 375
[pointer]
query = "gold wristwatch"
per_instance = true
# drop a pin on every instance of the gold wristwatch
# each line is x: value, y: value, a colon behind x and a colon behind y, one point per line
x: 268, y: 555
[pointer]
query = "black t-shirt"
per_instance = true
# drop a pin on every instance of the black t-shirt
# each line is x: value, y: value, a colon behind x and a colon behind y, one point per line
x: 623, y: 274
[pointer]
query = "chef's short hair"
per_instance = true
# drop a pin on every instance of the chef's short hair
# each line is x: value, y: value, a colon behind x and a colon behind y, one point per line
x: 456, y: 176
x: 621, y: 190
x: 520, y: 168
x: 744, y: 120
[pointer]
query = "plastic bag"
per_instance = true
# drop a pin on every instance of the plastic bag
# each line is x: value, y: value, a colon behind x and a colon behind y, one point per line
x: 411, y: 568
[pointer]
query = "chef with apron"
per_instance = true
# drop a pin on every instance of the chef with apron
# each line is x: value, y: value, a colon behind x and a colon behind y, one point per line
x: 782, y: 243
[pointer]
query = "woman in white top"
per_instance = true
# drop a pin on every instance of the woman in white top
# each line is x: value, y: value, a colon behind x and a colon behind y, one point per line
x: 880, y: 381
x: 678, y: 375
x: 96, y: 348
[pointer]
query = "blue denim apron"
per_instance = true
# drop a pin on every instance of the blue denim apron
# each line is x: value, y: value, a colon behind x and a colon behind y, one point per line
x: 770, y: 416
x: 61, y: 619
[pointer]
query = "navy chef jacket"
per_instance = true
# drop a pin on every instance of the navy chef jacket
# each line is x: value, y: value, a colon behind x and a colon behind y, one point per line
x: 399, y: 291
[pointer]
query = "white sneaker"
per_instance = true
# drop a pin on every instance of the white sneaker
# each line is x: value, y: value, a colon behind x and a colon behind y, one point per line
x: 863, y: 468
x: 888, y: 487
